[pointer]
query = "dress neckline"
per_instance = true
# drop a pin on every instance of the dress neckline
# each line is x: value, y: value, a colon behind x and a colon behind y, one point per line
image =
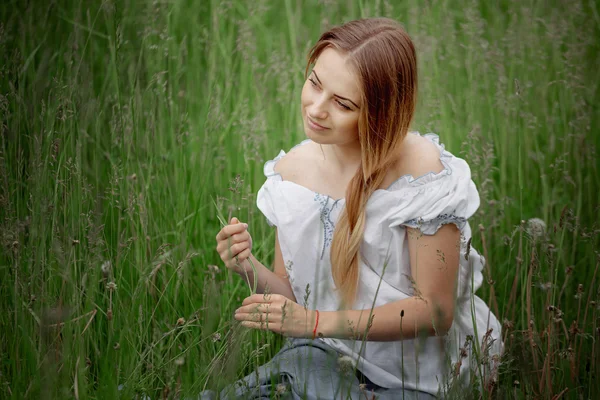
x: 407, y: 177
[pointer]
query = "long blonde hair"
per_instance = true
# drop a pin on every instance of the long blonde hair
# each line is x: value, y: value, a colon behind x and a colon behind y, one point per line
x: 383, y: 57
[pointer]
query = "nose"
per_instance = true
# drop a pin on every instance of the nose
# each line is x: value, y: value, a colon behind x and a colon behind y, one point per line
x: 318, y: 109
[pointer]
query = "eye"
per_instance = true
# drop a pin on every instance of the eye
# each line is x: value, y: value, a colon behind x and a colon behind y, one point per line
x: 313, y: 82
x: 345, y: 107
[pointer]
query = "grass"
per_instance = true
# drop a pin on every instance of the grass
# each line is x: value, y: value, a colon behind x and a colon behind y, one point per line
x: 121, y: 120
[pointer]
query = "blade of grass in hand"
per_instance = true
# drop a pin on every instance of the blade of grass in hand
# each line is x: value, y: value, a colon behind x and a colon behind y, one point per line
x: 223, y: 223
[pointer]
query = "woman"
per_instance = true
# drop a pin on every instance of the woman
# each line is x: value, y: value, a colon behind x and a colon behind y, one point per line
x: 372, y: 256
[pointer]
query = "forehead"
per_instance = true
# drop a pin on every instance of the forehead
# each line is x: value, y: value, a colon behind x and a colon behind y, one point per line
x: 336, y: 73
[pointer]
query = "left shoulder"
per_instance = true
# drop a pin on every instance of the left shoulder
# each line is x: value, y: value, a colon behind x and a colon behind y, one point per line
x: 418, y: 156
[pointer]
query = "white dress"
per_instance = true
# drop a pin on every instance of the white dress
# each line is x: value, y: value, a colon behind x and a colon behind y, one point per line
x: 306, y: 221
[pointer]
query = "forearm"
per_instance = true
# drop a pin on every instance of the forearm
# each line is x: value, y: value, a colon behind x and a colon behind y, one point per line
x: 403, y: 319
x: 267, y: 278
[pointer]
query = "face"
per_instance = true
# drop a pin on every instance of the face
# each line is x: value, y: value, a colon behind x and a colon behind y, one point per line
x: 330, y: 100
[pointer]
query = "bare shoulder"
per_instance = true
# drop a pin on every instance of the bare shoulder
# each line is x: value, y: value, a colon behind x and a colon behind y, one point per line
x: 418, y: 157
x: 294, y: 162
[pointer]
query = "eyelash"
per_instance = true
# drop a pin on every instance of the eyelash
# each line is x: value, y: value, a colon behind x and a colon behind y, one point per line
x: 345, y: 107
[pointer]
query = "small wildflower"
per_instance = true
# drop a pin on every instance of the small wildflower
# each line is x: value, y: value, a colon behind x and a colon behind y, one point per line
x: 213, y: 268
x: 346, y: 364
x: 362, y: 386
x: 117, y: 346
x: 180, y: 321
x: 105, y: 268
x: 111, y: 286
x: 280, y: 389
x: 545, y: 286
x: 579, y: 291
x: 74, y: 242
x: 179, y: 361
x: 216, y: 337
x: 569, y: 269
x: 536, y: 228
x: 574, y: 329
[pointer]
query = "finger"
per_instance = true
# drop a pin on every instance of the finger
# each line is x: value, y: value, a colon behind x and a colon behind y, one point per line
x: 257, y: 298
x: 230, y: 230
x: 239, y: 247
x: 244, y: 254
x: 237, y: 238
x: 259, y: 326
x: 264, y: 308
x: 241, y: 237
x: 257, y: 317
x: 231, y: 252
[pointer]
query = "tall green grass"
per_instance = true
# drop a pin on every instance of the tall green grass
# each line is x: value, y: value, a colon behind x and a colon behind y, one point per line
x: 119, y: 120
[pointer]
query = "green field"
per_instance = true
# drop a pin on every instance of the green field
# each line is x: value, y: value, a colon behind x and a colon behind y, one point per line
x: 122, y: 121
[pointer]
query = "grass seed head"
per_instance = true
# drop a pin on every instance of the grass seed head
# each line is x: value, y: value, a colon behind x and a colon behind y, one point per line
x: 536, y: 228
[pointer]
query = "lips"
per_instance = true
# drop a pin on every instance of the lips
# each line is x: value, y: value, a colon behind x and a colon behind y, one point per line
x: 314, y: 125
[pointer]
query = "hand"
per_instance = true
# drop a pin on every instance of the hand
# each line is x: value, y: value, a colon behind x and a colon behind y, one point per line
x: 278, y: 314
x: 234, y: 245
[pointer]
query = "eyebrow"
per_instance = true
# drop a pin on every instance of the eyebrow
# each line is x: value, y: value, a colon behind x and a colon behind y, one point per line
x: 336, y: 95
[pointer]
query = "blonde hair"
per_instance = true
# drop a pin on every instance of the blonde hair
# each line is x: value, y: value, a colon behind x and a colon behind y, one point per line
x: 383, y: 57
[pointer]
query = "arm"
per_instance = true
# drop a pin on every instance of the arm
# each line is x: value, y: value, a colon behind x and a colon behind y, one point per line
x: 434, y: 268
x: 276, y: 280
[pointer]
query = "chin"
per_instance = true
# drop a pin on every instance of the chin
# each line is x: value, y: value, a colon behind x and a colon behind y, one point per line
x: 309, y: 133
x: 312, y: 136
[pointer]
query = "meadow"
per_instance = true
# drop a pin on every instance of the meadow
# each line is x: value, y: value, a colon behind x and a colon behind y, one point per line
x: 127, y: 127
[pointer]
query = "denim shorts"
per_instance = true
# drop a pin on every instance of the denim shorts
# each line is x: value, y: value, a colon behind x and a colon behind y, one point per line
x: 309, y: 369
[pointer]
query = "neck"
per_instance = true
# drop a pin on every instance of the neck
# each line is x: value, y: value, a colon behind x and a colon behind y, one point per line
x: 344, y: 158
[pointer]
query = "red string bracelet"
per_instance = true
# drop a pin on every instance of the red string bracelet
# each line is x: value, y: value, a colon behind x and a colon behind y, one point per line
x: 316, y: 324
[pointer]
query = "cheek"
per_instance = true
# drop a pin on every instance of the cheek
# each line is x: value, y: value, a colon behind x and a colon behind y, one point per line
x: 304, y: 96
x: 348, y: 122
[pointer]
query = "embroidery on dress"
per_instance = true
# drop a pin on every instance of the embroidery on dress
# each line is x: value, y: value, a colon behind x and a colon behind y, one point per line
x: 437, y: 222
x: 288, y: 267
x: 328, y: 225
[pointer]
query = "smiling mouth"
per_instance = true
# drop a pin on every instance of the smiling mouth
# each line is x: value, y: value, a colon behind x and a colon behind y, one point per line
x: 311, y: 122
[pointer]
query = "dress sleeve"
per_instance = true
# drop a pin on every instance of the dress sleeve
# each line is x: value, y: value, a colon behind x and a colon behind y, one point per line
x: 266, y: 198
x: 453, y: 204
x: 436, y: 199
x: 271, y: 200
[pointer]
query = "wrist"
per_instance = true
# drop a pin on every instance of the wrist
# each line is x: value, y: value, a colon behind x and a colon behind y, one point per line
x: 336, y: 324
x: 315, y: 323
x: 326, y: 326
x: 244, y: 268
